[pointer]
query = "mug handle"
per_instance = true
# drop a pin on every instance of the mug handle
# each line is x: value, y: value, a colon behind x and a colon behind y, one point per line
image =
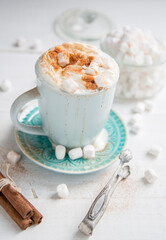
x: 16, y: 107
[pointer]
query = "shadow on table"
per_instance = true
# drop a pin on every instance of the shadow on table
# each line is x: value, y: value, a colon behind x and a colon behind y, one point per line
x: 78, y: 235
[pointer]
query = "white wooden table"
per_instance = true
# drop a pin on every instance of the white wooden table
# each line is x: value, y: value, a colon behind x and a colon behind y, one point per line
x: 137, y: 210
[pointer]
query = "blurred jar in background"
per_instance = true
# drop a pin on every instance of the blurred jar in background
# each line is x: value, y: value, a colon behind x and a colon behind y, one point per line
x: 141, y: 82
x: 142, y: 62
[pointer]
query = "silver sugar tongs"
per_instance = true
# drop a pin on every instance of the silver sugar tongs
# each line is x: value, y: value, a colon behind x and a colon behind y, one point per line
x: 100, y: 204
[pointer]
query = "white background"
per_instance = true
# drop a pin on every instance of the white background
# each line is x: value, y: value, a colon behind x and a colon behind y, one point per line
x: 137, y: 210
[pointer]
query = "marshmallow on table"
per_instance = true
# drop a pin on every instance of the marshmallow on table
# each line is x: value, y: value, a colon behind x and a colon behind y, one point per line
x: 60, y: 152
x: 155, y: 151
x: 135, y: 129
x: 101, y: 140
x: 13, y: 157
x: 37, y: 44
x: 69, y: 85
x: 139, y: 108
x: 62, y: 190
x: 5, y: 85
x: 20, y: 42
x: 148, y: 105
x: 89, y: 151
x: 150, y: 176
x: 63, y: 59
x: 135, y: 118
x: 75, y: 153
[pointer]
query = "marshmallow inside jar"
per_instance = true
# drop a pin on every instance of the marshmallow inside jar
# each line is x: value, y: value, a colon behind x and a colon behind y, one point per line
x: 142, y: 61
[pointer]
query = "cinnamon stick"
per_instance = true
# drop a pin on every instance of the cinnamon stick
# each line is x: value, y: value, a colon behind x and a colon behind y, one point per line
x: 17, y: 200
x: 22, y: 223
x: 37, y: 216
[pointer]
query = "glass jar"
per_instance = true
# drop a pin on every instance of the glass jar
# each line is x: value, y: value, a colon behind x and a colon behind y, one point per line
x: 139, y: 81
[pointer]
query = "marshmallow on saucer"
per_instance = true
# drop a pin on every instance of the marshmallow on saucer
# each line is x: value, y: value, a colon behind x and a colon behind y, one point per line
x: 101, y: 140
x: 13, y: 157
x: 69, y: 85
x: 75, y: 153
x: 150, y: 176
x: 62, y: 190
x: 155, y: 151
x: 60, y: 152
x: 63, y: 59
x: 89, y: 151
x: 139, y: 108
x: 5, y: 85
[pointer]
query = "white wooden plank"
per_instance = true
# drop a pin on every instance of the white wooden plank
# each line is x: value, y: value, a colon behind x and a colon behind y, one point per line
x: 137, y: 209
x: 141, y: 219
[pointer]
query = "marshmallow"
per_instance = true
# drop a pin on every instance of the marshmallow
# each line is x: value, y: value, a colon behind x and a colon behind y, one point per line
x: 5, y: 85
x: 126, y: 28
x: 134, y: 50
x: 128, y: 59
x: 148, y: 60
x: 134, y: 76
x: 139, y: 108
x: 101, y: 81
x: 135, y: 129
x: 150, y: 176
x: 135, y: 118
x: 148, y: 105
x: 139, y: 60
x: 63, y: 59
x: 62, y: 191
x: 60, y: 152
x: 36, y: 45
x: 13, y: 157
x: 89, y: 151
x: 69, y: 85
x: 137, y: 48
x: 155, y: 151
x: 123, y: 47
x: 101, y: 140
x: 146, y: 82
x: 90, y: 71
x: 75, y: 153
x: 20, y: 42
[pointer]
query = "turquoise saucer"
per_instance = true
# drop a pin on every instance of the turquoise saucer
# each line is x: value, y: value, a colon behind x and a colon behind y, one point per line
x: 40, y: 151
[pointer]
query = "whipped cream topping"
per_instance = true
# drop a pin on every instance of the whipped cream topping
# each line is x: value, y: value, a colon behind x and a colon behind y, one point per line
x: 77, y: 68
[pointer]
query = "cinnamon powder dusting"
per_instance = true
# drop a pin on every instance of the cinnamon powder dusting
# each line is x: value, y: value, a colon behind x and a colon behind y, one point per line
x: 78, y: 59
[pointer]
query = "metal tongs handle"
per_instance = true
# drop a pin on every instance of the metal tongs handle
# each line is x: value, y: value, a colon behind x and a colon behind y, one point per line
x: 100, y: 204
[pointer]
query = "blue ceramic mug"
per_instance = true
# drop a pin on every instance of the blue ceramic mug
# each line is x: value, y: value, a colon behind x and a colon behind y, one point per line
x: 67, y: 119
